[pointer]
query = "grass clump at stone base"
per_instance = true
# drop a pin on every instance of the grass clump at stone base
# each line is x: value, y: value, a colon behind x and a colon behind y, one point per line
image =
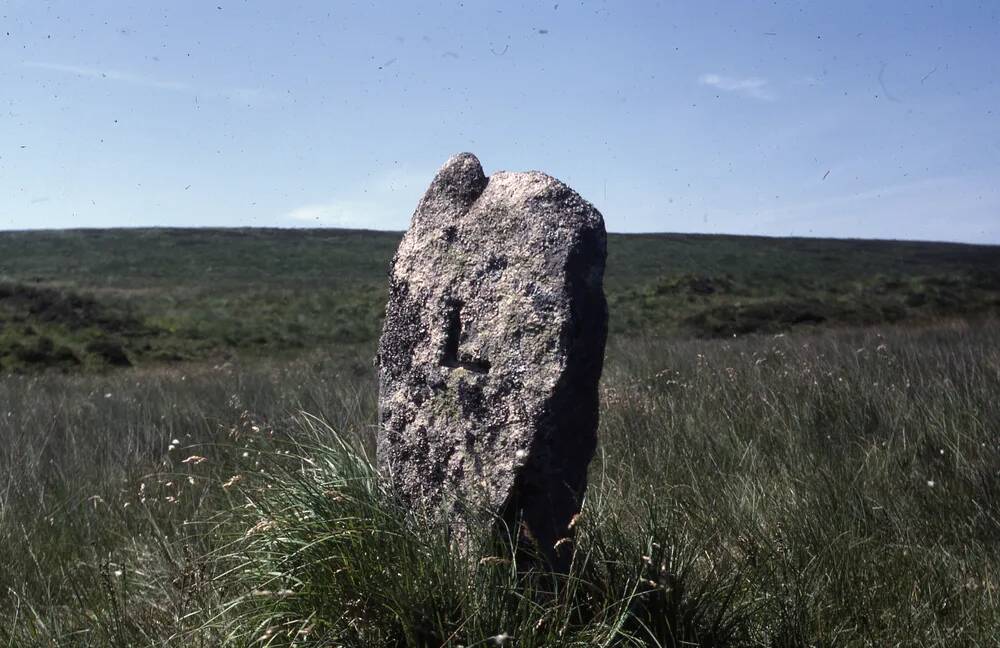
x: 329, y: 558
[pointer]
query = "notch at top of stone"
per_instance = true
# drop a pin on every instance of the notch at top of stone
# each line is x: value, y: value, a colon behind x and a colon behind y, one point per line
x: 461, y: 180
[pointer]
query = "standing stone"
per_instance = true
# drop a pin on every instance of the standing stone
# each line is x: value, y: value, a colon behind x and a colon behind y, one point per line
x: 492, y: 350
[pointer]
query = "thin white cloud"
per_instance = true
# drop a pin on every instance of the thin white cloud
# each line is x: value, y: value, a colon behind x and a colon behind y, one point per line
x: 83, y: 71
x: 753, y: 87
x: 808, y: 80
x: 340, y: 213
x: 110, y: 75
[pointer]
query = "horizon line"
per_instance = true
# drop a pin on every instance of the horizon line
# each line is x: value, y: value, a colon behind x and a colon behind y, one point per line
x: 38, y: 230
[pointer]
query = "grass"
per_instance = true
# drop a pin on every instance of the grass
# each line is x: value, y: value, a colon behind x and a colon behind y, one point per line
x: 798, y: 447
x: 92, y: 299
x: 825, y: 487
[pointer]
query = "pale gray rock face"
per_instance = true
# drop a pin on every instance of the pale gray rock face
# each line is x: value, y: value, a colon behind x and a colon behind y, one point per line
x: 492, y: 349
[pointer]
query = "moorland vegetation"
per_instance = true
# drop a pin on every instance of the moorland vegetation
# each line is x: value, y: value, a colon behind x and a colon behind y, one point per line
x: 799, y: 446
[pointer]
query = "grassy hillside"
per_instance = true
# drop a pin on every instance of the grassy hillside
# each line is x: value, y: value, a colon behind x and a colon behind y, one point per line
x: 93, y: 299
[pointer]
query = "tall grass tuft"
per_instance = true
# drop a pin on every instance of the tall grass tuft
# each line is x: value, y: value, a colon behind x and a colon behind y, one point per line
x: 328, y: 557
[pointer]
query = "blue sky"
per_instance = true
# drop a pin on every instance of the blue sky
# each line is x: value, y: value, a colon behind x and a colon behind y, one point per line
x: 845, y: 119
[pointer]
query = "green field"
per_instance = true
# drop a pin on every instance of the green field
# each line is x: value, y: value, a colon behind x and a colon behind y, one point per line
x: 88, y: 299
x: 799, y: 446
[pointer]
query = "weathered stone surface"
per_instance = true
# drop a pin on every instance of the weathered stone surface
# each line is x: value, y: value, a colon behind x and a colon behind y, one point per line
x: 492, y: 350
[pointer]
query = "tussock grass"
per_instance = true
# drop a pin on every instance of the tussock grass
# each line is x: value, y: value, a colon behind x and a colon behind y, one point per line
x: 831, y: 489
x: 329, y: 558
